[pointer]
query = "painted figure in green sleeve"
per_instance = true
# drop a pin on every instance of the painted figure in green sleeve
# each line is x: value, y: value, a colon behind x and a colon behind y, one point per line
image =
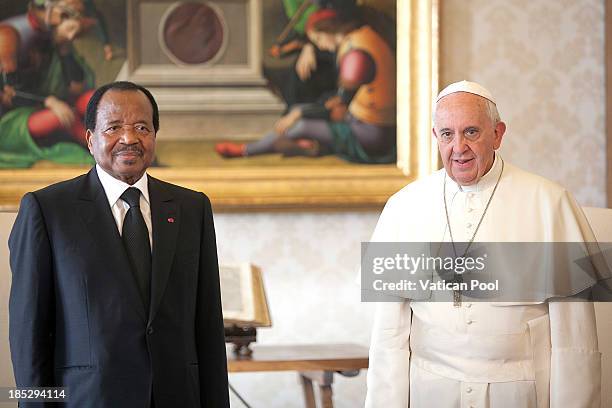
x: 314, y: 73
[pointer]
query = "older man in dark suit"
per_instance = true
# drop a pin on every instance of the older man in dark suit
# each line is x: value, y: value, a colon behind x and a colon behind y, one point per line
x: 115, y: 290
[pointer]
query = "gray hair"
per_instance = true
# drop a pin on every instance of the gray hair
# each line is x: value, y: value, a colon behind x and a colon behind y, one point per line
x: 492, y: 112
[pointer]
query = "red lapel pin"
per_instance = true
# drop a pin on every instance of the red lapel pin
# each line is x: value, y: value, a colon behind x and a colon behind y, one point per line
x: 170, y: 220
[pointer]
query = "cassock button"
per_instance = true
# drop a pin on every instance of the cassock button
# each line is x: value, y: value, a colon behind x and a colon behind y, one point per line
x: 468, y: 305
x: 469, y: 225
x: 470, y: 209
x: 469, y: 321
x: 468, y: 389
x: 150, y: 330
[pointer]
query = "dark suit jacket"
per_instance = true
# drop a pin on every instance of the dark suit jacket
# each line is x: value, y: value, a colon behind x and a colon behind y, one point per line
x: 77, y: 318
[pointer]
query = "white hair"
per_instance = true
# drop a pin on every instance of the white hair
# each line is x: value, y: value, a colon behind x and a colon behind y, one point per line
x: 492, y: 112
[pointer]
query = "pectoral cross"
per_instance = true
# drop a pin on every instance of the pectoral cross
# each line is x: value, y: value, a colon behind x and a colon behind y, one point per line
x: 457, y: 293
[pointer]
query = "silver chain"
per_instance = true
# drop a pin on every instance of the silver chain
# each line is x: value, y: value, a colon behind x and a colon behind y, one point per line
x: 458, y: 277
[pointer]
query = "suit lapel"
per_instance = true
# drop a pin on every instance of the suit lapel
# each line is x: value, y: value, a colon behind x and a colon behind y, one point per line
x: 95, y: 211
x: 165, y: 219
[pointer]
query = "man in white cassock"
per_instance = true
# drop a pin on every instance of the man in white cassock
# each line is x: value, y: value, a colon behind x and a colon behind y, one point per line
x: 477, y: 354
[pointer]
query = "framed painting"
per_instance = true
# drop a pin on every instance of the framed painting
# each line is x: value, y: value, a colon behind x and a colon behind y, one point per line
x: 229, y: 76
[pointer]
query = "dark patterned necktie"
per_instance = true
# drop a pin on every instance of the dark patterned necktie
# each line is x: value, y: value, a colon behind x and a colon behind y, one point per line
x: 135, y: 237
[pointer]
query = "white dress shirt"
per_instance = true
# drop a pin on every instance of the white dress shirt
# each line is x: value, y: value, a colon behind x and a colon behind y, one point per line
x: 114, y: 188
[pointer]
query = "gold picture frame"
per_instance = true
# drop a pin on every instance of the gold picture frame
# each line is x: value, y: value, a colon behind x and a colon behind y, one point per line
x: 313, y: 187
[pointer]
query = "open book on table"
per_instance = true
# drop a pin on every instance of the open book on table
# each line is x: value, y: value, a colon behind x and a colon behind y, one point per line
x: 243, y: 296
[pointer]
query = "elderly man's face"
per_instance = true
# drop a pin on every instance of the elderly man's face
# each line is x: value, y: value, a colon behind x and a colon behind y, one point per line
x: 123, y: 142
x: 463, y: 118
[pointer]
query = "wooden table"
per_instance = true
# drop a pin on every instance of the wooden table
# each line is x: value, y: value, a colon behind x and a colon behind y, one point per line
x: 316, y: 363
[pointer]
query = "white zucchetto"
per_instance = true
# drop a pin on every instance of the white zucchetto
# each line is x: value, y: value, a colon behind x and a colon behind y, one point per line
x: 465, y: 86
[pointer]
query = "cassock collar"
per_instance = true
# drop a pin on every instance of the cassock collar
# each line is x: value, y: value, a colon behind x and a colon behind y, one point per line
x: 487, y: 181
x: 114, y: 187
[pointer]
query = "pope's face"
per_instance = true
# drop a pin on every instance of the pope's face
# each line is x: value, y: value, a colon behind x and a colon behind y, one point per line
x: 466, y: 136
x: 123, y: 142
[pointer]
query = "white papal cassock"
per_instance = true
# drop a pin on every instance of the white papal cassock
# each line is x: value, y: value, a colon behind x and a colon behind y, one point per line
x: 485, y: 355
